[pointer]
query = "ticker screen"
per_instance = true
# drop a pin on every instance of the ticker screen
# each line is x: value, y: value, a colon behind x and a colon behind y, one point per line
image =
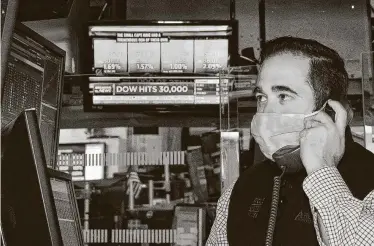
x: 144, y: 57
x: 211, y: 55
x: 177, y: 56
x: 110, y: 55
x: 160, y: 48
x: 157, y: 91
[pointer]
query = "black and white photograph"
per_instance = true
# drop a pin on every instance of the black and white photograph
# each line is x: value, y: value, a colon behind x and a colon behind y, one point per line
x: 187, y: 123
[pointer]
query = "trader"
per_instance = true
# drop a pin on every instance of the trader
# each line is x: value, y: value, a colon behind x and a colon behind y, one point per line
x: 330, y: 199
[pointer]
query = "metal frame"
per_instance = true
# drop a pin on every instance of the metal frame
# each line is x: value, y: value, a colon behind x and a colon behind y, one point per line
x: 7, y: 34
x: 367, y: 77
x: 262, y: 22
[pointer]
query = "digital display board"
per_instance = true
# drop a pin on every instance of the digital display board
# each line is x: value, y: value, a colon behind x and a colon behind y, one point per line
x: 211, y: 55
x: 177, y: 56
x: 144, y: 57
x: 162, y: 91
x: 110, y: 55
x: 160, y: 48
x: 167, y: 66
x: 143, y: 93
x: 207, y: 91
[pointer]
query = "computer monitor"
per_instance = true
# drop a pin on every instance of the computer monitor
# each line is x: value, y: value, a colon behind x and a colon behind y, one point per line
x: 157, y: 66
x: 34, y: 79
x: 28, y: 212
x: 161, y: 47
x: 67, y: 208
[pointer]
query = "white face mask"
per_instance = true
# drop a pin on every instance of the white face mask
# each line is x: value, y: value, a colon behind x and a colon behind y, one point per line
x: 273, y: 131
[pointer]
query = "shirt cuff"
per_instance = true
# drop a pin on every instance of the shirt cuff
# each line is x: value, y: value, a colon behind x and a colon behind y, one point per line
x: 323, y: 186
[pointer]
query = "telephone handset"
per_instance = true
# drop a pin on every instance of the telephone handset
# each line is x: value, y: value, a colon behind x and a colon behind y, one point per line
x: 289, y: 158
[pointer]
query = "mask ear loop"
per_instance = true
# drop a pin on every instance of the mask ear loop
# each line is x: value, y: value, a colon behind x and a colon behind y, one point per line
x: 316, y: 112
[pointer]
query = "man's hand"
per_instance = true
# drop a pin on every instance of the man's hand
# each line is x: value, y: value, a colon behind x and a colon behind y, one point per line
x: 322, y: 142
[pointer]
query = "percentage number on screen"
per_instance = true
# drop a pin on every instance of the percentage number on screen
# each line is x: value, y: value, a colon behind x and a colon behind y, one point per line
x: 111, y: 66
x: 211, y: 66
x: 178, y: 66
x: 144, y: 66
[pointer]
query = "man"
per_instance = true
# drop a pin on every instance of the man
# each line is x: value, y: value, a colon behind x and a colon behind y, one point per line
x: 330, y: 200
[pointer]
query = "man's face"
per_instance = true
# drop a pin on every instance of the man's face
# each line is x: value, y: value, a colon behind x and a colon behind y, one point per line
x: 282, y: 85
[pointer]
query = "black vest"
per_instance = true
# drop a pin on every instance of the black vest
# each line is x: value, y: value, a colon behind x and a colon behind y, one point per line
x: 250, y: 200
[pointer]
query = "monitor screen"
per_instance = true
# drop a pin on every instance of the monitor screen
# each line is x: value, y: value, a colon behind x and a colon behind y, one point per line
x: 34, y: 79
x: 28, y: 213
x: 160, y: 47
x: 192, y: 94
x: 159, y: 66
x: 66, y: 207
x: 154, y: 90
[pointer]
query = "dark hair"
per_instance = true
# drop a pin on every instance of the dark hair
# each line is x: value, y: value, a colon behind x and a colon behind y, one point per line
x: 327, y: 74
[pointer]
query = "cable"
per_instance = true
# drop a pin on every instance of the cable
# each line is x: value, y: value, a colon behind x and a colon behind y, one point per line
x: 248, y: 59
x: 274, y: 208
x: 102, y: 11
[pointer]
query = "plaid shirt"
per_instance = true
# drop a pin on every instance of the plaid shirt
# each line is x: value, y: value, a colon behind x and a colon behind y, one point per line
x: 344, y: 219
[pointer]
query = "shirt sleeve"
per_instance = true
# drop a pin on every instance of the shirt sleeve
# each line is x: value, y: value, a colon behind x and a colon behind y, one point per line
x: 346, y: 220
x: 218, y: 233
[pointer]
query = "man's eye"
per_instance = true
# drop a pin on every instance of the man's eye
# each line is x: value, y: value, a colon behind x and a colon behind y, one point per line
x: 284, y: 97
x: 260, y: 98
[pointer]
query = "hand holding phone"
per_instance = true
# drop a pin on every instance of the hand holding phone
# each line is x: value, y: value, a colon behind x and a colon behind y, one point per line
x: 323, y: 142
x: 289, y: 156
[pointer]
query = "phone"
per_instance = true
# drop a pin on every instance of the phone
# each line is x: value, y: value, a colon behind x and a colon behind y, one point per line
x: 328, y: 110
x: 289, y: 158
